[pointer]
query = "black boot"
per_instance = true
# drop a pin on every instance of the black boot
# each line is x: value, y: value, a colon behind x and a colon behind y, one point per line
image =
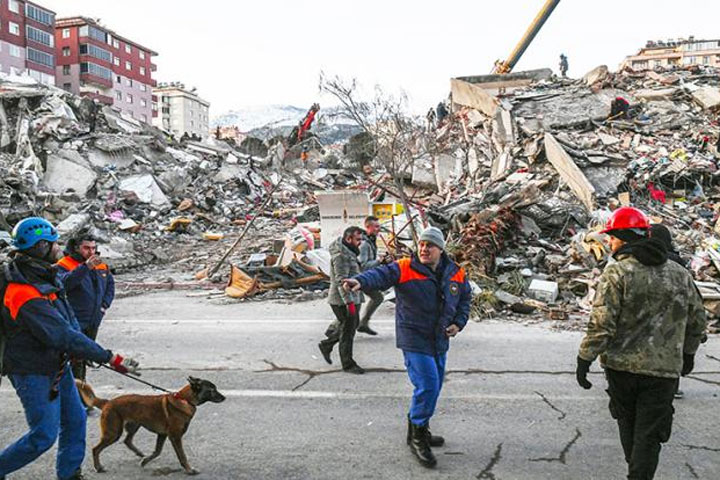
x: 325, y: 352
x: 420, y: 447
x: 435, y: 440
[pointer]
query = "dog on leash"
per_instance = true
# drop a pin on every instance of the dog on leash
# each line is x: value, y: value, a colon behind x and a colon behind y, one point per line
x: 167, y: 415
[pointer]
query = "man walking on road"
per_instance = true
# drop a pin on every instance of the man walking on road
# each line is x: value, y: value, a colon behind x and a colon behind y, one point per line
x: 646, y: 324
x: 40, y: 332
x: 89, y: 285
x: 432, y: 305
x: 345, y: 305
x: 368, y: 259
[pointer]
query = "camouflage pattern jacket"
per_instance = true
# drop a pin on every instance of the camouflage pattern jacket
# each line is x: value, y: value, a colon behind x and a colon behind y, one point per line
x: 644, y: 318
x: 343, y: 264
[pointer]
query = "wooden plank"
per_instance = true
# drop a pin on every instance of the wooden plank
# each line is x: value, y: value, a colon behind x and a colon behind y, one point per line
x: 569, y: 171
x: 469, y: 95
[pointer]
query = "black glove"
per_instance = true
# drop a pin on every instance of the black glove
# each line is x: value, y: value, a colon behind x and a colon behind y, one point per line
x: 583, y: 367
x: 688, y: 364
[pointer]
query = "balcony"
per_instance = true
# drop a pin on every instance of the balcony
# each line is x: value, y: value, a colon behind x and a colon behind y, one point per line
x: 104, y: 99
x: 96, y: 80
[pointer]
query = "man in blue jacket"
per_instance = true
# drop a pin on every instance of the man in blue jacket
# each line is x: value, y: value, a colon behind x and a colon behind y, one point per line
x: 89, y: 285
x: 432, y: 304
x: 41, y: 332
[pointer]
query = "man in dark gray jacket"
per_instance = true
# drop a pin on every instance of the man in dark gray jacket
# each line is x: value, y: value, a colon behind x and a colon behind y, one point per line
x: 345, y: 305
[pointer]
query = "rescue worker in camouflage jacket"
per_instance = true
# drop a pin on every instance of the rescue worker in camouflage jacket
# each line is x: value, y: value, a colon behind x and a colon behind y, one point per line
x: 646, y: 325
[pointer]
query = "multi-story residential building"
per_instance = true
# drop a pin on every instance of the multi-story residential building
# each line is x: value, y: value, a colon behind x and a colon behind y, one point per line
x: 181, y: 111
x: 675, y: 53
x: 27, y: 39
x: 96, y: 62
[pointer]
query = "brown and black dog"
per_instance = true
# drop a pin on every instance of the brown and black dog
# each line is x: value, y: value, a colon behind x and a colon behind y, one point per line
x: 167, y: 415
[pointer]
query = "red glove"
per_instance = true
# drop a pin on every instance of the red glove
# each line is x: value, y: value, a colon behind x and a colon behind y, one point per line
x: 352, y: 309
x: 123, y: 365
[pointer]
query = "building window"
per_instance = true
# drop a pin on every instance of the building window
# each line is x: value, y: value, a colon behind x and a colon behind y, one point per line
x: 129, y: 98
x: 66, y: 69
x: 142, y: 70
x: 129, y: 82
x: 39, y: 15
x: 14, y: 6
x: 95, y: 51
x: 16, y: 51
x: 118, y: 95
x: 144, y: 118
x: 143, y: 102
x: 97, y: 70
x: 66, y: 33
x: 67, y: 86
x: 119, y: 79
x: 66, y: 51
x: 142, y: 54
x: 706, y: 60
x: 116, y: 44
x: 142, y: 87
x: 14, y: 28
x: 128, y: 65
x: 39, y: 36
x: 97, y: 34
x: 116, y: 61
x: 41, y: 58
x: 128, y: 48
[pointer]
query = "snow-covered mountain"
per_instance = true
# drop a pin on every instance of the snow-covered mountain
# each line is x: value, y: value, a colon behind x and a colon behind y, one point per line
x: 271, y: 120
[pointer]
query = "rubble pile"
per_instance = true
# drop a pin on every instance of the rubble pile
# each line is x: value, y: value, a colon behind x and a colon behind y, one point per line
x: 148, y: 198
x: 528, y: 173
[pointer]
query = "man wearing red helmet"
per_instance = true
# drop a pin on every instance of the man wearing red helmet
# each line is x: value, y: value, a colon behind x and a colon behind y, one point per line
x: 646, y: 324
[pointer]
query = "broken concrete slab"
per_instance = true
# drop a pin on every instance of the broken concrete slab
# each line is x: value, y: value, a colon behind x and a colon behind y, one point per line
x: 68, y: 171
x: 655, y: 94
x: 72, y: 224
x: 597, y: 75
x: 469, y: 95
x: 493, y: 84
x: 707, y: 97
x: 146, y: 189
x: 569, y: 171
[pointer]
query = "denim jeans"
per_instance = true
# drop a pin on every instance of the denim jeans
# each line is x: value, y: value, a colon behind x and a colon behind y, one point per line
x: 426, y: 373
x: 63, y: 417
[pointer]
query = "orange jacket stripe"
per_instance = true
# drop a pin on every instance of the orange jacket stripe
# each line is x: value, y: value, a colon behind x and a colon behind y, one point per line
x: 18, y: 294
x: 459, y: 276
x: 70, y: 264
x: 407, y: 274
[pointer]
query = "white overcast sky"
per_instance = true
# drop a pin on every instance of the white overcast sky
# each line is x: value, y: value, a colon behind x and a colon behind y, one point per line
x: 248, y: 53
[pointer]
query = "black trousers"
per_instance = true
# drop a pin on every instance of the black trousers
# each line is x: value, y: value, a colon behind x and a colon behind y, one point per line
x: 344, y: 335
x: 79, y: 367
x: 642, y: 406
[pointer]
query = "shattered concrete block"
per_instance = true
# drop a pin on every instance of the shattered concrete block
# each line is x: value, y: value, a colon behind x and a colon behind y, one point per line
x: 423, y: 174
x: 707, y: 97
x: 446, y: 169
x: 73, y: 223
x: 63, y: 174
x: 596, y: 75
x: 506, y: 297
x: 146, y: 189
x: 655, y: 94
x: 543, y: 291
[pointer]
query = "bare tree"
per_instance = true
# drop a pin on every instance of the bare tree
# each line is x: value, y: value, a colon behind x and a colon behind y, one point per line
x: 399, y: 139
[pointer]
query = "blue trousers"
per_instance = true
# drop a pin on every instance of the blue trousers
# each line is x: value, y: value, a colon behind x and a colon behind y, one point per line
x: 64, y: 417
x: 426, y: 373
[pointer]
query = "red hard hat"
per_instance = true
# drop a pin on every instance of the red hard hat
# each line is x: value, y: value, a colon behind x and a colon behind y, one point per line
x: 626, y: 217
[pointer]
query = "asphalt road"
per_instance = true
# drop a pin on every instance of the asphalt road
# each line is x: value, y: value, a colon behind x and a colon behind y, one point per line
x: 510, y: 408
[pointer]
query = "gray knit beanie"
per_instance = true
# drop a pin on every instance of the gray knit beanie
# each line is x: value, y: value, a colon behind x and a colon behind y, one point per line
x: 433, y: 235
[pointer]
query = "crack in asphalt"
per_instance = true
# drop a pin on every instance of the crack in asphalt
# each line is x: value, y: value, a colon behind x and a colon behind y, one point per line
x: 562, y: 458
x: 692, y: 470
x: 550, y: 404
x: 487, y: 472
x: 701, y: 447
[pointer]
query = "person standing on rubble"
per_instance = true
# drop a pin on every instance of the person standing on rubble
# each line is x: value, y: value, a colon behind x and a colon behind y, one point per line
x: 646, y: 325
x: 441, y: 113
x: 345, y: 305
x: 41, y: 332
x: 89, y: 285
x: 563, y: 65
x: 432, y: 305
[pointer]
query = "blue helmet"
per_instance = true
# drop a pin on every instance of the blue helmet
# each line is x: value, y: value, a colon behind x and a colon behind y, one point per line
x: 31, y: 230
